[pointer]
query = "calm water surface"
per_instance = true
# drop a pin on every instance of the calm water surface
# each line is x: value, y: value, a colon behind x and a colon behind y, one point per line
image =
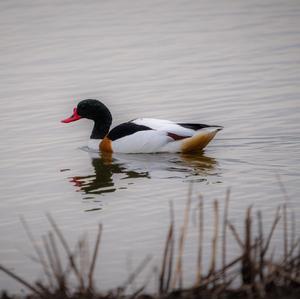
x: 231, y: 63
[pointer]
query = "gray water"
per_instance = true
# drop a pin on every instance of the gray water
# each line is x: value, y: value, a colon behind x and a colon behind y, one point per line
x: 230, y: 63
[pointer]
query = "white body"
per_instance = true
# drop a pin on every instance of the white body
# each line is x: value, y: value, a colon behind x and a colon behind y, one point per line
x: 157, y: 139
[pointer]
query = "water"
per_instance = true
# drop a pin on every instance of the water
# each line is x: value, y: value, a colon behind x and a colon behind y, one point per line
x: 235, y: 64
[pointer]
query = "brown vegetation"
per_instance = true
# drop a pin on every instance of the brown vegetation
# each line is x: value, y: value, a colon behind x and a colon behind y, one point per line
x: 254, y: 273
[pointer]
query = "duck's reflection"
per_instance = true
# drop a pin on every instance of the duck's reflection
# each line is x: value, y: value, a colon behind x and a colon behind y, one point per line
x: 111, y: 171
x: 102, y: 181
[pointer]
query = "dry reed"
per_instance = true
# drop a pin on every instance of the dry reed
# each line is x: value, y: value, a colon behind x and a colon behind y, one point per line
x: 253, y: 273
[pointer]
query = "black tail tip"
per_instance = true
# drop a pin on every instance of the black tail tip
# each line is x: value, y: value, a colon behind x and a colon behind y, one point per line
x: 218, y: 128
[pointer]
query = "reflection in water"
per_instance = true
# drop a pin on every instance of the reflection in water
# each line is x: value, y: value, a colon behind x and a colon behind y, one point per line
x: 111, y: 171
x: 102, y: 181
x: 200, y: 165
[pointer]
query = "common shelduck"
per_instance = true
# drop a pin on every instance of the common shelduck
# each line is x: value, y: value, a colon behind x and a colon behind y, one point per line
x: 141, y: 135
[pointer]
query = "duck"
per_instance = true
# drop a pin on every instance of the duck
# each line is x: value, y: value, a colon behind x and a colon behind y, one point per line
x: 141, y: 135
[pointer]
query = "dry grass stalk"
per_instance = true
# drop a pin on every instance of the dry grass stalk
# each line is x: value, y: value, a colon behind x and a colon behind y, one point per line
x: 163, y: 287
x: 83, y: 254
x: 171, y: 249
x: 94, y: 258
x: 247, y: 270
x: 178, y: 273
x: 22, y: 281
x: 55, y: 264
x: 209, y: 279
x: 135, y: 273
x: 214, y: 241
x: 40, y: 256
x: 260, y: 243
x: 294, y: 242
x: 56, y: 258
x: 274, y: 224
x: 52, y: 262
x: 69, y: 268
x: 200, y: 242
x: 235, y: 234
x: 224, y: 238
x: 68, y: 251
x: 167, y: 262
x: 277, y: 269
x: 282, y: 188
x: 285, y: 233
x: 220, y: 273
x: 221, y: 288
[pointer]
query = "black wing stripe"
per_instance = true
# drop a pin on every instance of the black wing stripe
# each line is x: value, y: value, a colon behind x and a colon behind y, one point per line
x: 193, y: 126
x: 125, y: 129
x: 177, y: 137
x: 197, y: 126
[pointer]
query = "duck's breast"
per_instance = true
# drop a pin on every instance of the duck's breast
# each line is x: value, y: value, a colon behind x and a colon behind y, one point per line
x: 93, y: 144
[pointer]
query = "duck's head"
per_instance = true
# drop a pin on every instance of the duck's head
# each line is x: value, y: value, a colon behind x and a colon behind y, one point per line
x: 91, y: 109
x: 96, y: 111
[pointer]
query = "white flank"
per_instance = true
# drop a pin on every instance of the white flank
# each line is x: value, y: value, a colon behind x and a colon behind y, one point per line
x: 141, y: 142
x: 164, y: 125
